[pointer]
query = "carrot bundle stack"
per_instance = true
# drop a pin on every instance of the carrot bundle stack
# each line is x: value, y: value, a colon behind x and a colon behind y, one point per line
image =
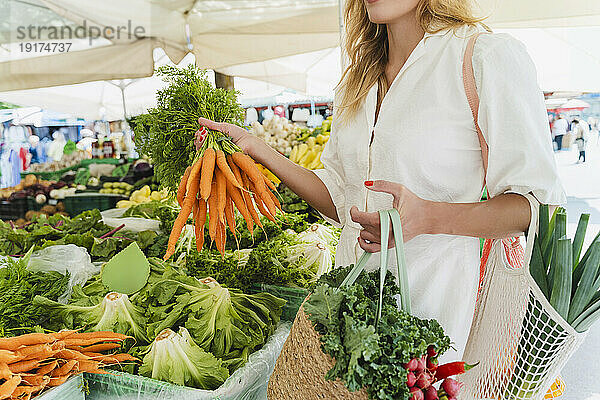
x: 221, y: 178
x: 32, y: 362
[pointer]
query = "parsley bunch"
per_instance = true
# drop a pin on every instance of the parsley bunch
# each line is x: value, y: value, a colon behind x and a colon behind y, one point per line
x: 166, y: 132
x: 366, y: 355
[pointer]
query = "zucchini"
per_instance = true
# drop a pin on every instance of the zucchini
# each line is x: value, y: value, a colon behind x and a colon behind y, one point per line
x: 537, y: 268
x: 579, y: 237
x: 562, y: 280
x: 585, y: 290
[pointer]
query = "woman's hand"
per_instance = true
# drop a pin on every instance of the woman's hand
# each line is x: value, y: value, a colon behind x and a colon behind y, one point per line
x: 412, y: 209
x: 240, y: 136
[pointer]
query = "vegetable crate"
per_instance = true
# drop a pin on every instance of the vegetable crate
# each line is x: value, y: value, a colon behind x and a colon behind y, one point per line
x: 51, y: 175
x: 78, y: 203
x: 14, y: 209
x: 294, y: 297
x: 73, y: 389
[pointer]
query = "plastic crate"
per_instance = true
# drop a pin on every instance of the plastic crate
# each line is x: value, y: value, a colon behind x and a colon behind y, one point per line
x: 73, y: 389
x: 14, y: 209
x: 294, y: 297
x: 78, y: 203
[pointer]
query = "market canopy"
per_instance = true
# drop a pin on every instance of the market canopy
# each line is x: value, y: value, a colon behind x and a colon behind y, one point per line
x: 219, y: 34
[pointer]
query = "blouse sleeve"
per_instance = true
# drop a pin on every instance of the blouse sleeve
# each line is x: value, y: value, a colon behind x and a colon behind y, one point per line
x: 514, y: 122
x: 332, y: 175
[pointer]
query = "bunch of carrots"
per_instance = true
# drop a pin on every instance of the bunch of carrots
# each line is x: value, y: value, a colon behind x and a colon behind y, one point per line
x: 222, y: 177
x: 35, y: 361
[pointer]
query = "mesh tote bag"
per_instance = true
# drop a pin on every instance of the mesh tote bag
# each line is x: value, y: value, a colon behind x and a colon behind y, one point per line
x: 301, y: 367
x: 520, y: 342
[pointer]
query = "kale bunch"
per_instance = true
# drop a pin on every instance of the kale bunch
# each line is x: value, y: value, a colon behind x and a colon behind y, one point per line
x: 369, y: 355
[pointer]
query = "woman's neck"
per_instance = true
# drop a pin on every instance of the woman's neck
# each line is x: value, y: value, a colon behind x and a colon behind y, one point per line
x: 403, y: 36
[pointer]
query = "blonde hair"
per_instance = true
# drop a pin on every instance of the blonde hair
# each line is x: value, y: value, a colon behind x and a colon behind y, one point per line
x: 366, y: 45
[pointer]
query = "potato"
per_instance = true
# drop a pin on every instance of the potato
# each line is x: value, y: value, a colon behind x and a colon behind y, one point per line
x: 20, y: 222
x: 60, y: 207
x: 29, y: 215
x: 63, y: 213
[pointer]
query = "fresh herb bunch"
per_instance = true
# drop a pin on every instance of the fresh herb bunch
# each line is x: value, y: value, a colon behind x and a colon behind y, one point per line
x: 266, y: 263
x: 366, y: 355
x: 166, y: 133
x: 18, y: 287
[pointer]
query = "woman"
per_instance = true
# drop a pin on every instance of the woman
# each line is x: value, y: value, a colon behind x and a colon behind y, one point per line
x: 404, y: 88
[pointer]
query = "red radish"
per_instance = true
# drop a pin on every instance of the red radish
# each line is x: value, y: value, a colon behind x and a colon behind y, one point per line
x: 421, y: 364
x: 424, y: 380
x: 431, y: 393
x: 412, y: 364
x: 411, y: 379
x: 431, y: 351
x: 451, y: 386
x: 417, y: 394
x: 432, y: 364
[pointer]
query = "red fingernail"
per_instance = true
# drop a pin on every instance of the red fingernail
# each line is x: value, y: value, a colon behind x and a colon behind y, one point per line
x: 368, y: 183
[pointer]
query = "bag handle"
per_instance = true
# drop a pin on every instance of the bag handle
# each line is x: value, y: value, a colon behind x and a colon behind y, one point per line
x: 385, y: 217
x: 473, y: 98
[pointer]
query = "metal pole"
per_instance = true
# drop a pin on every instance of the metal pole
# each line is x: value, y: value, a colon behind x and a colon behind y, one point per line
x: 122, y: 87
x: 342, y: 32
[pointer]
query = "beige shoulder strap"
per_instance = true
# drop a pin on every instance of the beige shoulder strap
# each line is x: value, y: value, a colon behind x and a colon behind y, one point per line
x: 473, y: 97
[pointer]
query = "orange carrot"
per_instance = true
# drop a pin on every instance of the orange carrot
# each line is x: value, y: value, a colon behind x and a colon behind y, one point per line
x: 235, y: 195
x: 183, y: 186
x: 88, y: 365
x: 46, y: 369
x: 249, y: 201
x: 226, y: 170
x: 247, y: 165
x: 229, y: 214
x: 34, y: 379
x: 28, y: 339
x: 28, y: 390
x: 123, y: 357
x: 206, y: 177
x: 7, y: 356
x: 62, y: 334
x: 8, y: 387
x: 65, y: 369
x: 274, y: 199
x: 43, y: 350
x: 58, y: 380
x: 259, y: 203
x: 221, y: 200
x: 195, y: 217
x: 221, y: 237
x: 100, y: 336
x: 269, y: 183
x: 71, y: 355
x: 102, y: 347
x: 200, y: 221
x: 23, y: 366
x: 5, y: 372
x: 213, y: 216
x: 186, y: 209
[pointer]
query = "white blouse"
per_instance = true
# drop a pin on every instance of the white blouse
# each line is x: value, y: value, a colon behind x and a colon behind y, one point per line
x: 425, y: 139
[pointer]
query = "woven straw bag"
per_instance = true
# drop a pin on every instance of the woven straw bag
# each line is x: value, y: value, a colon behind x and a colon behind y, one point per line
x: 520, y: 342
x: 301, y: 367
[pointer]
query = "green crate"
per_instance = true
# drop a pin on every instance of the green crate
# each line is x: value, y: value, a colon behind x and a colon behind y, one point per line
x: 78, y: 203
x: 14, y: 209
x: 294, y: 297
x: 73, y: 389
